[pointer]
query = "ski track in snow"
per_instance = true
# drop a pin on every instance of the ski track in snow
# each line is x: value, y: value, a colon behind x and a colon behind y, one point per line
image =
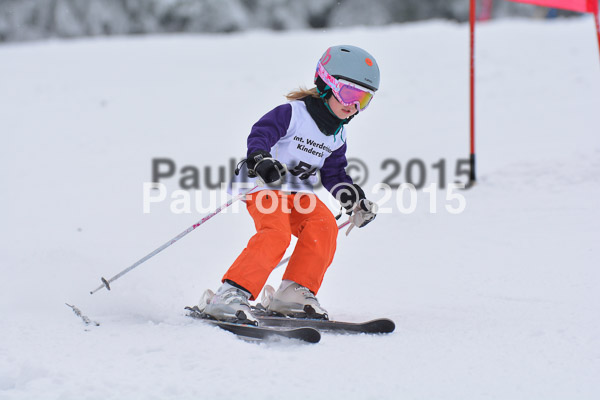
x: 498, y: 302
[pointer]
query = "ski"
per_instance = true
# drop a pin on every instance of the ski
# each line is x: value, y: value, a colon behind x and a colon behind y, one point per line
x: 260, y: 333
x: 380, y: 325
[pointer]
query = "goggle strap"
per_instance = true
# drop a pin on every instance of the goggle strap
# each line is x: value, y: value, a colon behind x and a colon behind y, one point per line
x: 337, y: 131
x: 323, y: 93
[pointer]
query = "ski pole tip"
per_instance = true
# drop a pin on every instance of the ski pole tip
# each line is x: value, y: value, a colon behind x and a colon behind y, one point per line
x: 105, y: 284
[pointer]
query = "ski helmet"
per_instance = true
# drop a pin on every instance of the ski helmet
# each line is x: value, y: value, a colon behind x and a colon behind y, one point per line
x: 351, y: 63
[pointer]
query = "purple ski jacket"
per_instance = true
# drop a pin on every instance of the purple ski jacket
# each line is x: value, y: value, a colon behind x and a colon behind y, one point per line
x: 289, y: 132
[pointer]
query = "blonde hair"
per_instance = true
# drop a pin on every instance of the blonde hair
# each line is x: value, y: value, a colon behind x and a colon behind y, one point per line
x: 301, y: 93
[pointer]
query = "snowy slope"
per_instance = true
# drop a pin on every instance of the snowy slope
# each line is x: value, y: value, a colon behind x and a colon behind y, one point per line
x: 498, y: 302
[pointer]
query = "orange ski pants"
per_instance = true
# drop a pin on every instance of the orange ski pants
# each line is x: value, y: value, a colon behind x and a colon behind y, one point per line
x: 277, y: 216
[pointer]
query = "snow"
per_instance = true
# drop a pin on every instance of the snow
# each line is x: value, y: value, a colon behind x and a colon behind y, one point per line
x: 497, y: 302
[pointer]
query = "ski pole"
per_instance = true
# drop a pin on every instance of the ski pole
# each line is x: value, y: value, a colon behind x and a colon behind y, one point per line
x: 285, y: 260
x: 106, y: 282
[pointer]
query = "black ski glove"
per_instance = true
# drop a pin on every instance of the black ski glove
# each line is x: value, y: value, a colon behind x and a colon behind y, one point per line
x: 349, y: 195
x: 364, y: 212
x: 263, y: 165
x: 361, y: 210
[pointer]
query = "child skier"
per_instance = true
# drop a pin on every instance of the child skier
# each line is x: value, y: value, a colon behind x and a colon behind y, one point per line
x: 301, y: 137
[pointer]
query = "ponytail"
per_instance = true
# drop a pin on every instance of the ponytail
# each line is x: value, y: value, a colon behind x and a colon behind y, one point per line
x: 301, y: 93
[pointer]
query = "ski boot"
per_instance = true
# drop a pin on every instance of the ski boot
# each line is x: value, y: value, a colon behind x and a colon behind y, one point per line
x: 229, y: 304
x: 292, y: 300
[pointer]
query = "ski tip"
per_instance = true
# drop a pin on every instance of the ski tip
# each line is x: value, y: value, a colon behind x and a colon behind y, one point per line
x: 310, y: 335
x: 387, y: 325
x: 383, y: 325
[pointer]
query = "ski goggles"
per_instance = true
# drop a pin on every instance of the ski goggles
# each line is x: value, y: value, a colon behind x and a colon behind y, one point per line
x: 346, y: 92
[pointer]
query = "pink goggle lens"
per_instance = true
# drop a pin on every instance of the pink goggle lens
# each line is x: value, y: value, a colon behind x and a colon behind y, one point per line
x: 349, y: 95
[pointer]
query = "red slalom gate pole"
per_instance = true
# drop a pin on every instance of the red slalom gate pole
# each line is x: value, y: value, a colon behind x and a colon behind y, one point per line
x: 597, y: 19
x: 472, y: 18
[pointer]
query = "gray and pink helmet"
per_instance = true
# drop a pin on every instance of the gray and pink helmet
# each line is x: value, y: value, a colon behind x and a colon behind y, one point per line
x: 348, y: 71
